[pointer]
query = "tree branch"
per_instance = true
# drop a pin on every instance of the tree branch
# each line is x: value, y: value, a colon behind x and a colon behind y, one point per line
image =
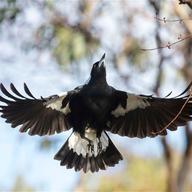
x: 188, y: 2
x: 169, y: 45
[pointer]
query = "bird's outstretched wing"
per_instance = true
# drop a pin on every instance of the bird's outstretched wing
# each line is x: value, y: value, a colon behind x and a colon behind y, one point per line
x: 44, y: 116
x: 147, y: 116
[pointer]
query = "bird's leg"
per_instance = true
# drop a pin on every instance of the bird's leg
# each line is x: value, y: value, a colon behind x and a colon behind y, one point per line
x: 90, y: 143
x: 99, y: 148
x: 99, y: 144
x: 91, y: 146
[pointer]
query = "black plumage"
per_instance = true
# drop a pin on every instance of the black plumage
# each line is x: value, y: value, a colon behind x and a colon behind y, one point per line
x: 91, y: 110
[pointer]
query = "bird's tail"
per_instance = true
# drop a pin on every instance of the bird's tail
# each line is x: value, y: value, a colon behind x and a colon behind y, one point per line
x: 79, y: 153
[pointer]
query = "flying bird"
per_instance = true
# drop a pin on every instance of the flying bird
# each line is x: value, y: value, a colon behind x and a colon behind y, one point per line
x: 91, y: 111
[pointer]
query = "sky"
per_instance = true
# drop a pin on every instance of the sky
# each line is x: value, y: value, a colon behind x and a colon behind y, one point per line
x: 20, y: 154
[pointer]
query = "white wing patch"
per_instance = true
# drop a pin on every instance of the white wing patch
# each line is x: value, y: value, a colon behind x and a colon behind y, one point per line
x: 81, y: 146
x: 56, y: 104
x: 133, y: 102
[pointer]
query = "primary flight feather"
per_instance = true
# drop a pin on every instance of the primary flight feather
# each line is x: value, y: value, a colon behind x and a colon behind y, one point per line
x: 91, y: 110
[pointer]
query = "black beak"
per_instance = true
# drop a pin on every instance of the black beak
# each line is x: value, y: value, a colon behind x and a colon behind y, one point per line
x: 101, y: 62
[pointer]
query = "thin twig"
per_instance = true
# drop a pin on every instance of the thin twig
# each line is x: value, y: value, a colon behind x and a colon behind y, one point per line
x: 180, y: 111
x: 168, y: 45
x: 164, y: 20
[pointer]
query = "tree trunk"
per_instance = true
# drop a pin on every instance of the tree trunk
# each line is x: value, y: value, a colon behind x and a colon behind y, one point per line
x: 171, y: 183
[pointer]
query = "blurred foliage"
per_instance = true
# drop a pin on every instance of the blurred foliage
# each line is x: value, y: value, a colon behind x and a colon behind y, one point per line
x: 8, y: 10
x: 69, y: 42
x: 71, y: 45
x: 132, y: 52
x: 139, y: 174
x: 48, y: 143
x: 21, y: 186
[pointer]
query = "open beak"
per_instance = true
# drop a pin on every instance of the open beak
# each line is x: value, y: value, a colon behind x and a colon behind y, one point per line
x: 102, y: 61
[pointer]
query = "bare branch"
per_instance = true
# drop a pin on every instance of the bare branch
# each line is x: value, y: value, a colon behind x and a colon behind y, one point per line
x: 169, y: 45
x: 164, y: 20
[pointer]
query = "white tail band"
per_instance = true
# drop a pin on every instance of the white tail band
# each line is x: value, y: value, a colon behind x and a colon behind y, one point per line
x: 81, y: 145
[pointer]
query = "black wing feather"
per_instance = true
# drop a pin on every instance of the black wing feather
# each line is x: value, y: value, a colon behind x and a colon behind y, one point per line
x: 150, y: 120
x: 28, y: 91
x: 35, y: 115
x: 15, y: 91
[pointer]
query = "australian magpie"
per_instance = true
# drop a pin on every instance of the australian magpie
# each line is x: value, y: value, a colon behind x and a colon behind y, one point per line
x: 91, y: 110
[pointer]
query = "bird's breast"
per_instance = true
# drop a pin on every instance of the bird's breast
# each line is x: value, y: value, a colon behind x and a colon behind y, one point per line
x: 97, y: 104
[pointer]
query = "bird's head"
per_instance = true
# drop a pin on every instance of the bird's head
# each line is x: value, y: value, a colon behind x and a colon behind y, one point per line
x: 98, y: 71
